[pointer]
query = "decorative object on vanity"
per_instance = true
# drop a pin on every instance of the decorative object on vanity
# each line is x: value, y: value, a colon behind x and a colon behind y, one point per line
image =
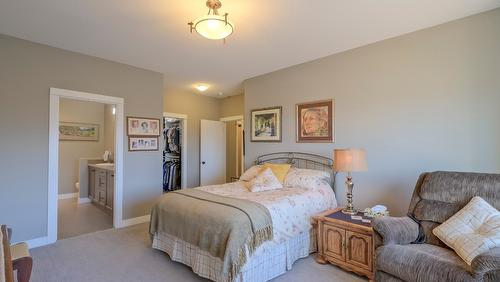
x: 437, y: 197
x: 345, y: 242
x: 72, y: 131
x: 139, y: 126
x: 212, y: 26
x: 349, y: 160
x: 314, y: 121
x: 376, y: 211
x: 142, y: 143
x: 266, y: 125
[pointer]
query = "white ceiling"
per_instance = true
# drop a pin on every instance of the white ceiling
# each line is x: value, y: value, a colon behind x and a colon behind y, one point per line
x: 269, y: 35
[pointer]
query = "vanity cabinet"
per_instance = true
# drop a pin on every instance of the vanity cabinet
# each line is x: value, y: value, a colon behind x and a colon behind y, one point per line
x: 101, y: 186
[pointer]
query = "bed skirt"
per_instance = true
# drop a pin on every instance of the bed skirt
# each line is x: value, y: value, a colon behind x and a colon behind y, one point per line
x: 268, y: 261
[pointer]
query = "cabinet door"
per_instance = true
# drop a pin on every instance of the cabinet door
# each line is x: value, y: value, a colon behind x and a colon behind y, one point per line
x: 110, y: 190
x: 91, y: 183
x: 333, y: 242
x: 359, y: 250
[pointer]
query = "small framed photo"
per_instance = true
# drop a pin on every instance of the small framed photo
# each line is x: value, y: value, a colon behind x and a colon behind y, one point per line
x: 266, y: 125
x: 315, y: 122
x: 138, y: 126
x: 142, y: 143
x: 71, y: 131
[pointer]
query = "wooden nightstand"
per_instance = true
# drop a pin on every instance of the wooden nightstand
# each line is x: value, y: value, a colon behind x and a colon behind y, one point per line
x: 345, y: 242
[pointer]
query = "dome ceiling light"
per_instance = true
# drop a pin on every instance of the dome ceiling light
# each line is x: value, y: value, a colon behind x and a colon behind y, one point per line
x: 212, y: 26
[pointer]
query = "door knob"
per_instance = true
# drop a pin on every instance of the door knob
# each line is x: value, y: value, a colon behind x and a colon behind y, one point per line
x: 203, y: 162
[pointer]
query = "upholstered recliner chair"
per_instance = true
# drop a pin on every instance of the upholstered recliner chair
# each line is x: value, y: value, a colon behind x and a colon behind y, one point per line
x: 406, y: 248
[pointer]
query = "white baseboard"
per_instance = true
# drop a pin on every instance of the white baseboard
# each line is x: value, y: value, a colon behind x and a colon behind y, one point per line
x: 83, y: 200
x: 134, y: 221
x: 38, y: 242
x: 67, y: 196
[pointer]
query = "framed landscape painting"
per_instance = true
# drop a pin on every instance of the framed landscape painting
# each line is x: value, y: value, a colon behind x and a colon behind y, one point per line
x: 138, y: 126
x: 71, y: 131
x: 315, y: 121
x: 266, y: 125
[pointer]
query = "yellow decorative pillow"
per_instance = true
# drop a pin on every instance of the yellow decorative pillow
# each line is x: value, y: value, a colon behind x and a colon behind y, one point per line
x: 279, y: 170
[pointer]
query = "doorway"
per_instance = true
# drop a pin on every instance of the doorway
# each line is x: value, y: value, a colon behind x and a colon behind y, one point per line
x: 175, y: 142
x: 116, y: 181
x: 235, y: 148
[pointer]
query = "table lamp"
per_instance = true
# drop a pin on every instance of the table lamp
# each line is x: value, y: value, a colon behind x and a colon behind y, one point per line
x: 349, y: 160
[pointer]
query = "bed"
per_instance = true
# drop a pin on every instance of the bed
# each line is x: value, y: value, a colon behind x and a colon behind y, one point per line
x: 290, y: 209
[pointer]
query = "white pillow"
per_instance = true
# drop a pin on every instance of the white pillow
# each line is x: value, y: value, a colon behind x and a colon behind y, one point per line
x: 250, y: 173
x: 264, y: 181
x: 305, y: 178
x: 473, y: 230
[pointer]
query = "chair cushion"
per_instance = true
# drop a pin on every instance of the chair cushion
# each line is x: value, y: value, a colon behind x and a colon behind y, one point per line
x: 422, y: 262
x: 20, y: 250
x: 473, y: 230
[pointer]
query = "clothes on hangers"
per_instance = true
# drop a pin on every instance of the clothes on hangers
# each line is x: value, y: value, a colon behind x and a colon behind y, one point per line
x: 171, y: 175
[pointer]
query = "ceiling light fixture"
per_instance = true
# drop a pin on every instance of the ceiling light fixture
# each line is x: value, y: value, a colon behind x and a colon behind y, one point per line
x: 201, y: 88
x: 212, y: 26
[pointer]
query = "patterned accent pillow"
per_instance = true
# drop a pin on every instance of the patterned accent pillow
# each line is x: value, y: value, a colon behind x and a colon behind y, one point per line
x: 279, y: 170
x: 264, y: 181
x: 306, y: 178
x: 250, y: 173
x: 473, y: 230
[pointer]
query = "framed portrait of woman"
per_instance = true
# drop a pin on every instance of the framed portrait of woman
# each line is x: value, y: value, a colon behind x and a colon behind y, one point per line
x: 315, y: 122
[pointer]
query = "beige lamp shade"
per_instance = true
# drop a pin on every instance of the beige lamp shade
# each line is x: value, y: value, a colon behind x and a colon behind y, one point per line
x: 349, y: 160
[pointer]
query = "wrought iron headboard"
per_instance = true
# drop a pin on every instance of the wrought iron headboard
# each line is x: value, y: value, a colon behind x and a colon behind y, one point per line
x: 300, y: 160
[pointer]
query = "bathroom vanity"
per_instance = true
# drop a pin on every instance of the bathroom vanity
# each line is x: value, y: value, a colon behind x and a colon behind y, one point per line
x: 102, y: 184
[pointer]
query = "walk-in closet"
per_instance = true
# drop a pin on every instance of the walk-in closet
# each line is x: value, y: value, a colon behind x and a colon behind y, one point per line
x: 172, y: 153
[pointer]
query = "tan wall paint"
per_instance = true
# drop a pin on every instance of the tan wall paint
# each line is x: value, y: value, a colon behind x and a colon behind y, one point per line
x: 109, y: 130
x: 27, y: 71
x: 420, y: 102
x: 232, y: 106
x: 71, y: 151
x: 196, y: 107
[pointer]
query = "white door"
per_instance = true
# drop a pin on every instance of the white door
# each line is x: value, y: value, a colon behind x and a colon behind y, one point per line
x: 212, y: 152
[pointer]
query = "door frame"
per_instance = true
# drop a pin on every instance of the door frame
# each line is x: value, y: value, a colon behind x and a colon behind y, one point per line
x: 184, y: 145
x: 53, y: 168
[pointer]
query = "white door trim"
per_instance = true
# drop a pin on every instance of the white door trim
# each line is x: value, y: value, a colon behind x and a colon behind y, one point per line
x: 184, y: 147
x: 231, y: 118
x: 53, y: 169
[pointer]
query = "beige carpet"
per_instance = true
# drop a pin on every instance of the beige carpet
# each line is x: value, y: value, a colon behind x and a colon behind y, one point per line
x: 125, y: 255
x: 74, y: 219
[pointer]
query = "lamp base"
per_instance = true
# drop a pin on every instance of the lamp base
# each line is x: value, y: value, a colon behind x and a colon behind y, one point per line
x: 349, y: 211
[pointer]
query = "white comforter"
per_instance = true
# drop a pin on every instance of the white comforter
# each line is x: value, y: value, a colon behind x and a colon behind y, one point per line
x: 291, y: 209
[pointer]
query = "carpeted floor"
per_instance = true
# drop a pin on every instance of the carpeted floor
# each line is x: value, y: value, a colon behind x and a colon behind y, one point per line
x: 125, y: 255
x: 74, y: 219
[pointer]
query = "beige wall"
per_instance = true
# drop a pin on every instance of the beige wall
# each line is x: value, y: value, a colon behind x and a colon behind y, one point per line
x: 196, y: 107
x: 109, y: 130
x: 232, y: 106
x: 420, y: 102
x: 71, y: 151
x: 27, y: 71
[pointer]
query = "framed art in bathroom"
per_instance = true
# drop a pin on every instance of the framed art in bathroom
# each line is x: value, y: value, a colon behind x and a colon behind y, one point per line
x: 72, y: 131
x: 143, y: 143
x: 139, y: 126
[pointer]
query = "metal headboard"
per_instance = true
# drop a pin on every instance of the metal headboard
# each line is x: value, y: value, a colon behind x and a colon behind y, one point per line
x: 300, y: 160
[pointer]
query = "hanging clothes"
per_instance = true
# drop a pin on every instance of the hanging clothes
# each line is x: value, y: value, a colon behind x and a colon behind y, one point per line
x: 171, y: 155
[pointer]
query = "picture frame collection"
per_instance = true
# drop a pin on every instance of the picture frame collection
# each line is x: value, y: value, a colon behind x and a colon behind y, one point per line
x: 314, y: 123
x: 143, y: 134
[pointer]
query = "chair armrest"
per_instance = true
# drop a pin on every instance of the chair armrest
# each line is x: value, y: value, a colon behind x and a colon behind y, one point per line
x: 396, y: 230
x: 486, y: 262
